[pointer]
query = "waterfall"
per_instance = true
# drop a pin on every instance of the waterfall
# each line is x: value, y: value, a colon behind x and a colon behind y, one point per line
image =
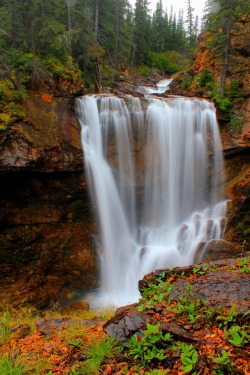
x: 155, y: 172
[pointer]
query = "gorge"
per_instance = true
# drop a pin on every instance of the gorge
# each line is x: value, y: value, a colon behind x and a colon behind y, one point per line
x: 156, y: 176
x: 47, y: 245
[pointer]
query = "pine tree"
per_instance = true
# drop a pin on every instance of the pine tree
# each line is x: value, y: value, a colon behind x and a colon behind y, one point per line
x: 141, y: 32
x: 190, y: 20
x: 158, y: 28
x: 190, y: 27
x: 206, y: 11
x: 220, y: 23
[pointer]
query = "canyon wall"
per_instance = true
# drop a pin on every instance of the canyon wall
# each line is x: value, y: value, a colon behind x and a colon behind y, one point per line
x: 46, y: 223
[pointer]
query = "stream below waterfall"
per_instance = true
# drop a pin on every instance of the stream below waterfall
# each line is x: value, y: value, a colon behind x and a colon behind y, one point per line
x: 155, y: 173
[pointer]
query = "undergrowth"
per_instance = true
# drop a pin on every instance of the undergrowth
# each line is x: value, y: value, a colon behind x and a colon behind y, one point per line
x: 216, y: 343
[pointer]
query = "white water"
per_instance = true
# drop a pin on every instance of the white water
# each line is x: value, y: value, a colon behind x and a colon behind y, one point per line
x: 155, y: 177
x: 160, y: 88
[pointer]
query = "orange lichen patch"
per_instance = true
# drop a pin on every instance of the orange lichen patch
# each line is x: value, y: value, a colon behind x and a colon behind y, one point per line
x: 47, y: 97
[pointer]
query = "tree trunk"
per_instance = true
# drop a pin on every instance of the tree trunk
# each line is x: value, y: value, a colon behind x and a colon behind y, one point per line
x: 96, y: 18
x: 69, y: 15
x: 116, y: 31
x: 226, y: 55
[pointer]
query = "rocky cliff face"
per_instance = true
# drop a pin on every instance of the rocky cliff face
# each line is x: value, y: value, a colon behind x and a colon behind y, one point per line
x: 46, y: 222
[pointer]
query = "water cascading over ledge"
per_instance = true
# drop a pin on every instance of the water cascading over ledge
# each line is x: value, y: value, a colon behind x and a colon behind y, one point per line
x: 155, y: 172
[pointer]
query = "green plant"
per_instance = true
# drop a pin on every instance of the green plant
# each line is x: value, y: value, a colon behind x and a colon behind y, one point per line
x: 73, y: 371
x: 229, y: 317
x: 224, y: 360
x: 75, y: 342
x: 235, y: 91
x: 186, y: 82
x: 237, y: 335
x: 189, y: 358
x: 157, y: 372
x: 97, y: 352
x: 164, y: 62
x: 223, y: 363
x: 206, y: 77
x: 237, y: 121
x: 144, y: 70
x: 222, y: 101
x: 188, y: 307
x: 198, y: 269
x: 5, y: 327
x: 243, y: 265
x: 157, y: 291
x: 149, y: 346
x: 12, y: 366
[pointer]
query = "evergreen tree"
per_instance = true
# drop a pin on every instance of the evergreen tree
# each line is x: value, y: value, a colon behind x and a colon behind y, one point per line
x: 142, y: 25
x: 206, y: 11
x: 220, y: 23
x: 190, y: 20
x: 190, y: 27
x: 181, y: 33
x: 158, y: 28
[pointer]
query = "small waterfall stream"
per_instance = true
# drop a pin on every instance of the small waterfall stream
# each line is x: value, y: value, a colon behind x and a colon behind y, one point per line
x: 155, y: 172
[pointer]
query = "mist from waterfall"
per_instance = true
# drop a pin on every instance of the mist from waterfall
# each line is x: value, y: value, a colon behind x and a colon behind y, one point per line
x: 155, y: 172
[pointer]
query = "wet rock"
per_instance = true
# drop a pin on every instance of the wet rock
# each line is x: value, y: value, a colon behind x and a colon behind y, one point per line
x: 176, y: 330
x: 126, y: 324
x: 219, y: 288
x: 219, y: 283
x: 46, y: 326
x: 215, y: 250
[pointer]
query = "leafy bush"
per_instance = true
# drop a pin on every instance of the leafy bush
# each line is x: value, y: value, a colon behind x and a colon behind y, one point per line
x: 186, y: 81
x: 223, y: 102
x: 66, y: 70
x: 11, y: 106
x: 164, y: 62
x: 143, y: 70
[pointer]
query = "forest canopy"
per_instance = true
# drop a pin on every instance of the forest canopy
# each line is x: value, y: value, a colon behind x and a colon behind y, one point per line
x: 45, y: 40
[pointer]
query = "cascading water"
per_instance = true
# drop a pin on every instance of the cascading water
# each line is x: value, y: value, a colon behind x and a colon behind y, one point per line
x: 155, y: 172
